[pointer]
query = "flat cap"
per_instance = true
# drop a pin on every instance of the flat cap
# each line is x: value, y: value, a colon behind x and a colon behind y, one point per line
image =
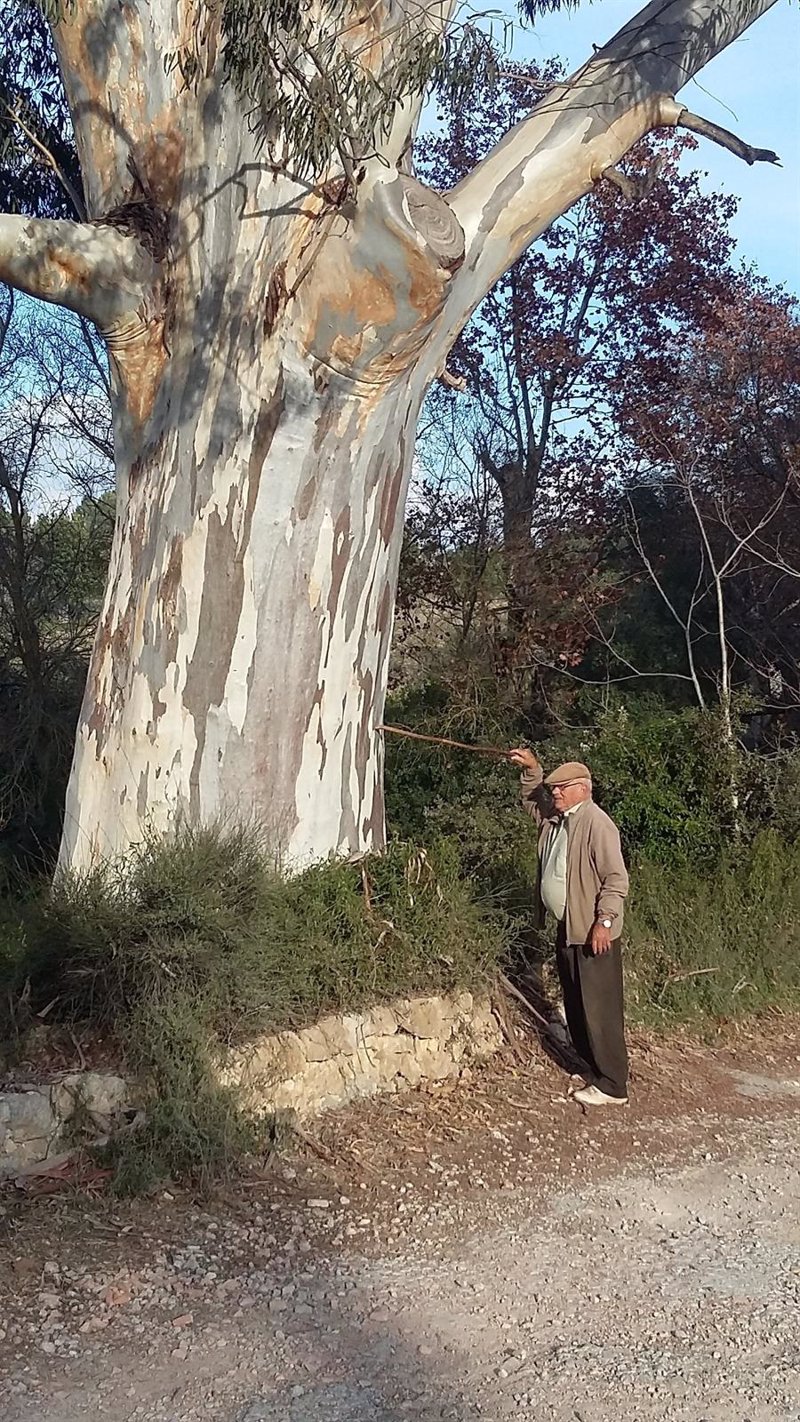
x: 573, y: 770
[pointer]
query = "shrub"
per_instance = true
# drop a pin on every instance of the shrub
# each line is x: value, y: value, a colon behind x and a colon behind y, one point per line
x: 193, y: 945
x: 210, y: 913
x: 701, y: 947
x: 663, y: 773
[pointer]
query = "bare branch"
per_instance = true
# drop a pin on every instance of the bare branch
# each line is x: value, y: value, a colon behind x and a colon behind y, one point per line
x: 685, y: 623
x: 634, y: 189
x: 75, y: 197
x: 101, y: 273
x: 723, y: 136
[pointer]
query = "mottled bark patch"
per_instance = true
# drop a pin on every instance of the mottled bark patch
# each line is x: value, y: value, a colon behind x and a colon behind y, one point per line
x: 340, y: 559
x: 364, y: 733
x: 223, y: 590
x: 277, y: 294
x: 160, y: 159
x: 390, y: 497
x: 307, y: 495
x: 144, y: 460
x: 168, y: 624
x: 96, y: 719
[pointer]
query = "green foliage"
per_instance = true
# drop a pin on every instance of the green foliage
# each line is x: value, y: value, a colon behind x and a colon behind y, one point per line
x: 708, y: 945
x: 664, y: 774
x: 15, y: 960
x: 52, y: 570
x: 311, y: 77
x: 703, y: 897
x: 256, y: 951
x: 195, y: 945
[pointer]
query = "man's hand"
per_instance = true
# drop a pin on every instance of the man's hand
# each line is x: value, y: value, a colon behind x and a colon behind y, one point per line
x: 601, y: 939
x: 524, y: 759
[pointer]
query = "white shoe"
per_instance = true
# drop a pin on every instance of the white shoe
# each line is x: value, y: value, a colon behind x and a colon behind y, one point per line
x: 576, y: 1083
x: 593, y: 1096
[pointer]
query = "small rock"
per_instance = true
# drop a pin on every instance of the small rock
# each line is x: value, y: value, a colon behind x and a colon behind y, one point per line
x: 95, y: 1324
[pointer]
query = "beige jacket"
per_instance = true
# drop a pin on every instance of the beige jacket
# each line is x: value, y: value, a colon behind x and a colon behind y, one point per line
x: 597, y: 880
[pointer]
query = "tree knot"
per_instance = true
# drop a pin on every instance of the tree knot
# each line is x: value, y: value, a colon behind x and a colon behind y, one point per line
x: 140, y: 218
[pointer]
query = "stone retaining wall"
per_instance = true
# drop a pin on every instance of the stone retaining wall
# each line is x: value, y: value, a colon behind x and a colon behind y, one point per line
x: 404, y: 1044
x: 341, y: 1059
x: 36, y: 1121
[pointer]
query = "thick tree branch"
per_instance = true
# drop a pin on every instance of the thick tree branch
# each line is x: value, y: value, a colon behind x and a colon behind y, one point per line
x: 723, y: 136
x: 101, y: 273
x: 581, y: 129
x: 398, y: 25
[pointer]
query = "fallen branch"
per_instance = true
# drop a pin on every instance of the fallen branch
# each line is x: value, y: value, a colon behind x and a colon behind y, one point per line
x: 682, y: 977
x: 694, y: 973
x: 493, y: 751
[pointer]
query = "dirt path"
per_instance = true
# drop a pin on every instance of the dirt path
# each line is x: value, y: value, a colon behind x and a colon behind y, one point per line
x: 493, y: 1254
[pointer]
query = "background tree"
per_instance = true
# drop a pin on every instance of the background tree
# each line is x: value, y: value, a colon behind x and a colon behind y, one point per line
x: 551, y: 351
x: 56, y: 517
x: 276, y: 292
x: 519, y: 470
x: 39, y: 168
x: 712, y: 497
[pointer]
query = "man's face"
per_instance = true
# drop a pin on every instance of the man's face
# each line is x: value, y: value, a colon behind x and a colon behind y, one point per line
x: 565, y: 796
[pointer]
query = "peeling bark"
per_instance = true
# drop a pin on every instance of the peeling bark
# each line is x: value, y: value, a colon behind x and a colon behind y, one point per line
x: 271, y: 340
x: 241, y: 659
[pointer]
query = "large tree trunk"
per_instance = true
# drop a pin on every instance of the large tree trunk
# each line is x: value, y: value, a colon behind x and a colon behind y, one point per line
x: 271, y: 338
x: 240, y: 666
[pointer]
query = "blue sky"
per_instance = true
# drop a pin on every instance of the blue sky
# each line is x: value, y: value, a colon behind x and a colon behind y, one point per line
x: 757, y: 79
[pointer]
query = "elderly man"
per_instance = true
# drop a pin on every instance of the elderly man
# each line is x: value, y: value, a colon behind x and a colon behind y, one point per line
x: 582, y: 885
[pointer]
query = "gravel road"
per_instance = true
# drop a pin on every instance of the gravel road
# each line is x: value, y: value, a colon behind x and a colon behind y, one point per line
x: 656, y: 1279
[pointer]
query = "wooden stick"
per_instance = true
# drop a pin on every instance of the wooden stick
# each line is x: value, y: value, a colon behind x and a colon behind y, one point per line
x: 493, y: 751
x: 529, y: 1007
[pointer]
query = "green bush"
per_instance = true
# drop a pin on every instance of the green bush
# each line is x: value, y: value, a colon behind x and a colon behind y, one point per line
x: 713, y: 923
x: 700, y: 947
x: 195, y: 945
x: 209, y: 913
x: 663, y: 773
x: 191, y: 946
x: 15, y: 965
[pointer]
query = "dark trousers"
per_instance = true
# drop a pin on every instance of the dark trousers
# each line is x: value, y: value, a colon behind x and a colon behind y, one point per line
x: 593, y: 1003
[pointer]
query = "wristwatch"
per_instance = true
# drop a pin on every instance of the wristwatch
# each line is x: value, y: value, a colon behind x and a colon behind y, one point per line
x: 605, y: 922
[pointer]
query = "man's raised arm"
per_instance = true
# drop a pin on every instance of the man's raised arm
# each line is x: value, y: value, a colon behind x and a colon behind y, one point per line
x: 535, y: 797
